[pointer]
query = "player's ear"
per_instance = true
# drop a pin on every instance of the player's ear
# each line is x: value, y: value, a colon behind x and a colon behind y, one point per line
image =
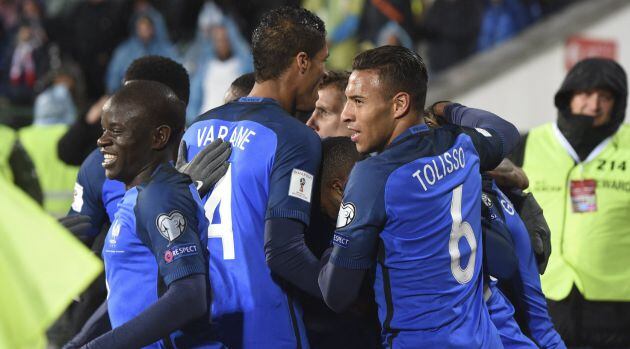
x: 338, y: 186
x: 401, y: 104
x: 161, y: 135
x: 302, y: 61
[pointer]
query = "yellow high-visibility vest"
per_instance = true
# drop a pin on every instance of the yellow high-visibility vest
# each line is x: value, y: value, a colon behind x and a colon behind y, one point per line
x: 590, y: 234
x: 55, y: 177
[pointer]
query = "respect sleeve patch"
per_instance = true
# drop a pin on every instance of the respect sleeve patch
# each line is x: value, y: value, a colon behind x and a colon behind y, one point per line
x: 301, y: 185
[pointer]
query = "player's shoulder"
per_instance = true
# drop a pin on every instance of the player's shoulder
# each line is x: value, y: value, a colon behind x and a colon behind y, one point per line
x: 372, y: 172
x: 166, y: 185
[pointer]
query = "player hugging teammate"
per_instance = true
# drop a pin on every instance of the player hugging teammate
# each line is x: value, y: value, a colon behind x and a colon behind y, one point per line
x: 417, y: 250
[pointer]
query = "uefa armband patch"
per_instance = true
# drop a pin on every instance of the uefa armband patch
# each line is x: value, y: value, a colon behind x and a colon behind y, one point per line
x: 301, y: 185
x: 77, y: 197
x: 347, y: 211
x: 171, y: 225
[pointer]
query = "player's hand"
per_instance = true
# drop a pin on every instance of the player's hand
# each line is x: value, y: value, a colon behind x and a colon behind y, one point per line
x: 207, y: 167
x: 434, y: 114
x: 509, y: 175
x: 79, y: 225
x: 539, y: 232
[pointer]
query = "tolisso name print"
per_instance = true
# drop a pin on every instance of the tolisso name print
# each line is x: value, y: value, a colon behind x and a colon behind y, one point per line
x: 435, y: 170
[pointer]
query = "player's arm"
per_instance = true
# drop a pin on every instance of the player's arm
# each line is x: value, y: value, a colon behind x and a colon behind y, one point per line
x: 288, y: 212
x: 499, y: 253
x: 361, y: 219
x: 96, y: 325
x: 167, y: 225
x: 87, y: 199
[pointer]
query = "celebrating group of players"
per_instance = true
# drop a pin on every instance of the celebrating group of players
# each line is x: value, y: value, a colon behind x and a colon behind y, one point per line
x: 207, y: 246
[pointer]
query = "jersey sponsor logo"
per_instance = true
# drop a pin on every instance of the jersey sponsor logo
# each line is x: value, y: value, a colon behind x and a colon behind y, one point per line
x: 171, y: 225
x: 432, y: 172
x: 340, y: 240
x: 176, y: 252
x: 301, y: 185
x: 347, y: 211
x: 77, y: 201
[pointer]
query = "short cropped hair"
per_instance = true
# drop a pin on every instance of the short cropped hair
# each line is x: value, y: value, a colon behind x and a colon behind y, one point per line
x: 158, y: 102
x: 400, y: 70
x: 339, y: 154
x: 163, y: 70
x: 281, y: 34
x: 336, y: 79
x: 244, y: 83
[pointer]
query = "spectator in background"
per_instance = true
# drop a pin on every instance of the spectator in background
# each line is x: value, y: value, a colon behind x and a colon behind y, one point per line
x: 393, y: 34
x: 143, y: 42
x: 54, y: 112
x: 90, y: 32
x: 26, y: 61
x: 224, y: 57
x: 585, y: 199
x: 503, y: 19
x: 451, y: 28
x: 342, y: 20
x: 376, y: 14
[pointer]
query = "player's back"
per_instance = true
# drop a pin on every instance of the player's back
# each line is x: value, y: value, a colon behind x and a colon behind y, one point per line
x: 428, y: 280
x: 249, y: 306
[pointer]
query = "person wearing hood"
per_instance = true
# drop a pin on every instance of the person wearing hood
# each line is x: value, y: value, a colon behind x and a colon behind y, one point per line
x: 54, y: 112
x: 148, y: 39
x: 577, y: 168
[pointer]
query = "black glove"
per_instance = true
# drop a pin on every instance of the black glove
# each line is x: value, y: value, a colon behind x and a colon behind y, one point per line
x: 207, y: 167
x: 539, y: 233
x: 78, y: 225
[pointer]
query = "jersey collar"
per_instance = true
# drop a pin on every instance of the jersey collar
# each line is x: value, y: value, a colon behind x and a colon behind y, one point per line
x: 254, y: 99
x: 413, y: 130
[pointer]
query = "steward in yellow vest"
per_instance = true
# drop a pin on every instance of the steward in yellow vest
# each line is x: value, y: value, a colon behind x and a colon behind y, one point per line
x: 16, y: 166
x: 54, y: 110
x: 579, y: 171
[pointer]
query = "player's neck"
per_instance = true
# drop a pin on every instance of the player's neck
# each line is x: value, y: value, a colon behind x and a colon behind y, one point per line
x: 146, y: 172
x: 403, y: 125
x: 278, y: 90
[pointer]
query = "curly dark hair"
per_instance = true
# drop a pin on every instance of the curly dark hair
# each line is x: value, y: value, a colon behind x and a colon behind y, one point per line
x: 281, y: 34
x: 163, y: 70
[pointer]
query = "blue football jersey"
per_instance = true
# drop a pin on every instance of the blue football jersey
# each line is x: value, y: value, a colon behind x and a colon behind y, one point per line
x: 528, y: 297
x: 414, y: 209
x: 95, y: 195
x: 157, y: 237
x: 272, y: 170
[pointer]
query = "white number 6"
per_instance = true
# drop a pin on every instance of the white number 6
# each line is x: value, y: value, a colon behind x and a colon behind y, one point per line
x: 461, y: 229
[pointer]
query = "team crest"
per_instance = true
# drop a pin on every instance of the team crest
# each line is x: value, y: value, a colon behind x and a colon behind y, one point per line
x: 346, y: 214
x: 171, y: 225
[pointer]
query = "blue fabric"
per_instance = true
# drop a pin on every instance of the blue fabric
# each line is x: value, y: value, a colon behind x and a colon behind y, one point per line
x: 528, y: 297
x: 96, y: 196
x: 502, y: 315
x: 345, y: 30
x: 504, y: 19
x: 128, y: 51
x: 496, y: 127
x: 138, y: 252
x: 398, y: 211
x: 271, y: 151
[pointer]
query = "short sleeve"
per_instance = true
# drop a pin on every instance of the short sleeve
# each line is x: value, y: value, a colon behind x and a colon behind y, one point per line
x: 168, y: 225
x: 361, y: 218
x: 293, y: 177
x: 488, y: 145
x: 87, y: 193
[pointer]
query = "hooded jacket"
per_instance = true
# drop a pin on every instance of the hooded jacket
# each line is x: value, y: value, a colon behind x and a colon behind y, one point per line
x: 591, y: 73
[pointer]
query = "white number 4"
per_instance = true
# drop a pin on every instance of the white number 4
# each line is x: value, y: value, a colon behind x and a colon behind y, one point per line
x: 221, y: 198
x: 461, y: 229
